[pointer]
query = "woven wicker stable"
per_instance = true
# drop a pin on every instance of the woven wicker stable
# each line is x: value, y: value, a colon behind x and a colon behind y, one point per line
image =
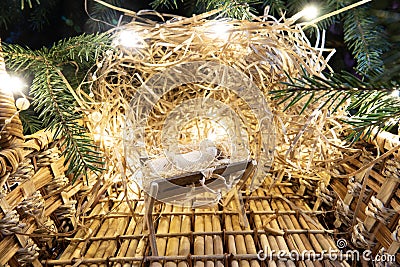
x: 36, y: 199
x: 369, y: 201
x: 281, y: 215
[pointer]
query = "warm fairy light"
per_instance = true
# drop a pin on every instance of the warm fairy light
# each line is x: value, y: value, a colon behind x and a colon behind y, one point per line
x: 11, y: 84
x: 128, y: 38
x: 101, y: 136
x: 395, y: 93
x: 97, y: 134
x: 202, y: 129
x: 220, y: 30
x: 310, y: 12
x: 95, y: 117
x: 22, y: 103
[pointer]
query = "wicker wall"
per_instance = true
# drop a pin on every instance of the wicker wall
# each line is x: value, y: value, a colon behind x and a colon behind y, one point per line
x: 36, y: 199
x: 369, y: 200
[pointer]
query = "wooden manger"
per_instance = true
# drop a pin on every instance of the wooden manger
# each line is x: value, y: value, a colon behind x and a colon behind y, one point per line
x: 178, y: 187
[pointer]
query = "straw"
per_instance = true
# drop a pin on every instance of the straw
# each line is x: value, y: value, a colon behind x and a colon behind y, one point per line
x: 267, y: 51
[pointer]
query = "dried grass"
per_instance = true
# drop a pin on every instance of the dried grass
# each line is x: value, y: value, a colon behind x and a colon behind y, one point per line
x: 267, y: 50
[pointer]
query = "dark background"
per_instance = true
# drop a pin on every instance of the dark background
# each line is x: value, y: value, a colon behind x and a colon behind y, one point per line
x: 66, y: 18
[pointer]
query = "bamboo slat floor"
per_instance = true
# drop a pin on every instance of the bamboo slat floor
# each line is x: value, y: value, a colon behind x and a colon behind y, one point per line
x: 214, y: 236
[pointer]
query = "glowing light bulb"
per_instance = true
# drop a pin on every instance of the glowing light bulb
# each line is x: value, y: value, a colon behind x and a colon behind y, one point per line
x: 97, y: 134
x: 310, y: 12
x: 395, y: 93
x: 22, y: 103
x: 100, y: 135
x: 11, y: 83
x: 95, y: 117
x: 220, y: 30
x: 128, y: 38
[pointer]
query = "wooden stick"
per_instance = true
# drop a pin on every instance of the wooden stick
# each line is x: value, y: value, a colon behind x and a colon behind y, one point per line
x: 260, y: 221
x: 136, y: 247
x: 272, y: 241
x: 83, y: 233
x: 205, y: 212
x: 184, y: 243
x: 248, y: 239
x: 93, y: 228
x: 231, y: 240
x: 110, y: 248
x: 217, y: 239
x: 208, y: 240
x: 130, y: 230
x: 140, y: 250
x: 95, y: 245
x: 319, y: 241
x: 163, y: 227
x: 298, y: 239
x: 112, y: 230
x: 199, y: 240
x: 173, y: 242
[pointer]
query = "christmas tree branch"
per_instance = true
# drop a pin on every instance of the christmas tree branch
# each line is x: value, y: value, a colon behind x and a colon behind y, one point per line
x: 240, y: 9
x: 30, y: 121
x: 366, y: 39
x: 54, y: 97
x: 369, y: 105
x: 57, y: 109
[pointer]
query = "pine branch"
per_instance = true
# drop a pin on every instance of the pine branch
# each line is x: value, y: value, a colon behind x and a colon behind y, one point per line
x: 38, y: 16
x: 56, y: 107
x: 296, y: 6
x: 82, y: 49
x: 371, y: 103
x: 366, y: 39
x: 240, y: 9
x: 391, y: 62
x: 52, y: 95
x: 38, y: 19
x: 10, y: 13
x: 277, y: 8
x: 30, y: 121
x: 103, y: 16
x: 171, y: 4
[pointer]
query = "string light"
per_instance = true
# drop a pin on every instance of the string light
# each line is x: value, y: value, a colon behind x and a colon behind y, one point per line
x: 309, y: 12
x: 101, y: 135
x: 216, y: 133
x: 220, y: 30
x: 11, y: 84
x: 95, y: 117
x: 395, y: 93
x: 22, y: 103
x: 128, y: 38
